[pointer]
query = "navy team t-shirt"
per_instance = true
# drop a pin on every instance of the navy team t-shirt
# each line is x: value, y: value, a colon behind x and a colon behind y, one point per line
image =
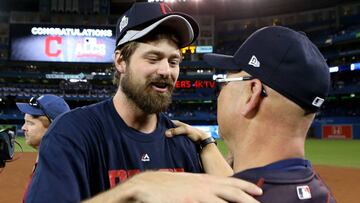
x: 91, y: 149
x: 288, y: 181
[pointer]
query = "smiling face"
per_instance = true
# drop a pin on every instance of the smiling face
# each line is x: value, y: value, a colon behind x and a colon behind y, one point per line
x: 150, y: 75
x: 34, y: 129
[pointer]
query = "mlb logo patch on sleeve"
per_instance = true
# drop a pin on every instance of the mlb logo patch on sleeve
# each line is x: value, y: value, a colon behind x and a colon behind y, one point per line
x: 303, y: 192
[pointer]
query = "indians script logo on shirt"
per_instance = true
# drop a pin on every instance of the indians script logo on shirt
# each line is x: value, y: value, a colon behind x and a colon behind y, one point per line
x: 303, y: 192
x: 145, y: 157
x: 120, y: 175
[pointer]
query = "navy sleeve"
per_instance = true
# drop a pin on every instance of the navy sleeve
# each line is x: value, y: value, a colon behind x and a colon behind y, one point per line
x: 61, y: 175
x: 187, y: 149
x: 191, y: 157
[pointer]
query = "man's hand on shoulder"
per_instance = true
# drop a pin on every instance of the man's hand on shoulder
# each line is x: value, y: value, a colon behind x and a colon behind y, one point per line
x: 196, y: 135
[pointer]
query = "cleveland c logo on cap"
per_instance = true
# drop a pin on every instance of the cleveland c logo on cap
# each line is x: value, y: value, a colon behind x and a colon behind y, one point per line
x: 163, y: 7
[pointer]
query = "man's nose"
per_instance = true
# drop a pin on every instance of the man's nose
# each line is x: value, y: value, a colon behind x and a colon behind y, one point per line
x: 164, y: 68
x: 23, y: 127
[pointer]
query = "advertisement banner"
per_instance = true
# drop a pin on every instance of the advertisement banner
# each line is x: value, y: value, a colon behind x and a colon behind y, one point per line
x: 337, y: 131
x: 212, y: 130
x: 61, y: 43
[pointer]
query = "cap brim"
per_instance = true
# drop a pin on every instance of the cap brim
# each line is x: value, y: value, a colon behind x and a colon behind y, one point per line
x: 27, y: 108
x: 221, y: 61
x: 179, y: 23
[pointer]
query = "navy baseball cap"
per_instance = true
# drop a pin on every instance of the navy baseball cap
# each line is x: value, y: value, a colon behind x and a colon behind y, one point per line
x: 286, y: 61
x: 46, y: 105
x: 144, y: 17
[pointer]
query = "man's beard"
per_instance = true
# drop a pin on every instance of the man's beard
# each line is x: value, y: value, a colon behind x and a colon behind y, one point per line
x: 144, y: 97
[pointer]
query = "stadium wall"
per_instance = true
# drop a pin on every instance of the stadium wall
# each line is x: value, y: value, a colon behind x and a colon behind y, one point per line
x: 336, y: 128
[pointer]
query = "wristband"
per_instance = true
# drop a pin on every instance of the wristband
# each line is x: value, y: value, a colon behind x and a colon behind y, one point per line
x: 207, y: 141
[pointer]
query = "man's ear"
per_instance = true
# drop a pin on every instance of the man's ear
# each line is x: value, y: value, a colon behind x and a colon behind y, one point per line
x: 120, y: 63
x: 254, y: 98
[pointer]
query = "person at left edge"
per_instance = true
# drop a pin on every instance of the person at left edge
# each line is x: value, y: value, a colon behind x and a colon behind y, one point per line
x: 39, y: 113
x: 93, y: 148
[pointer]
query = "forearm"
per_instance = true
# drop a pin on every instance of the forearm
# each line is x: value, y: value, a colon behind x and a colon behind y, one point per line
x: 211, y: 158
x: 163, y: 187
x: 213, y: 161
x: 123, y: 193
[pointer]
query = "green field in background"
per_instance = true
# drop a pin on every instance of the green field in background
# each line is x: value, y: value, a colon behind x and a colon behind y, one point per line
x: 345, y: 153
x: 333, y: 152
x: 222, y: 147
x: 25, y: 147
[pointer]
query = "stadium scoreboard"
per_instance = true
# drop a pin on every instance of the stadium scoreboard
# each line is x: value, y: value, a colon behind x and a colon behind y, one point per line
x: 62, y: 43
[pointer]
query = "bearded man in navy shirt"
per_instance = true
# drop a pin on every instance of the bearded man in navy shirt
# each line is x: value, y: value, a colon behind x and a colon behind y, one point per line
x: 94, y: 148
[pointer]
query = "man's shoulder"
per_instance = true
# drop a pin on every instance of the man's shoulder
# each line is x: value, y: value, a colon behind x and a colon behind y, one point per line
x: 96, y: 107
x: 285, y: 171
x: 89, y: 111
x: 180, y: 140
x: 82, y: 117
x: 287, y: 186
x: 165, y: 120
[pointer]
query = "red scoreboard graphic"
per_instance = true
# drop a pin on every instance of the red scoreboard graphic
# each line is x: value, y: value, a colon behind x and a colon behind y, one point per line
x: 186, y: 84
x: 337, y: 131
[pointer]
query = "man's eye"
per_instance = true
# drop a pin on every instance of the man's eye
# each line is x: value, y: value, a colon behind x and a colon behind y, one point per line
x: 29, y: 123
x: 152, y: 60
x: 175, y: 62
